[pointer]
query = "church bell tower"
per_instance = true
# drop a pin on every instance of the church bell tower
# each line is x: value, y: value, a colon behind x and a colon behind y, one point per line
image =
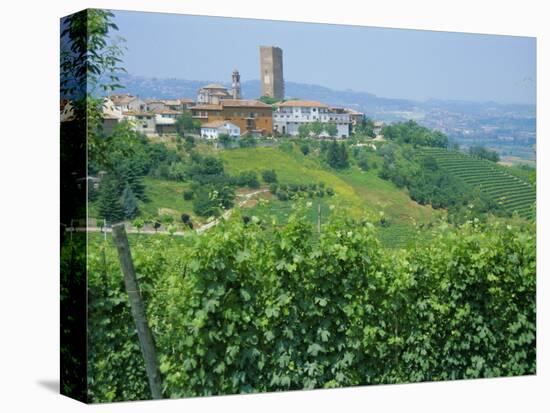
x: 236, y: 84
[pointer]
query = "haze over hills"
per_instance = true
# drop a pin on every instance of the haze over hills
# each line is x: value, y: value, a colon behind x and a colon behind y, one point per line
x: 508, y: 128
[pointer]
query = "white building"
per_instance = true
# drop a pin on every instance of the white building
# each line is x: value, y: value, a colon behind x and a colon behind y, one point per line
x: 212, y: 130
x: 289, y: 115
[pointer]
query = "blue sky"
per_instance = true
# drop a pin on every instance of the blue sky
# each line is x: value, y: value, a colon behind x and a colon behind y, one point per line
x: 395, y: 63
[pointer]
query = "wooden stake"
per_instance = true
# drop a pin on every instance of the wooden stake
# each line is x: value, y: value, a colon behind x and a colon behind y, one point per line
x: 138, y: 311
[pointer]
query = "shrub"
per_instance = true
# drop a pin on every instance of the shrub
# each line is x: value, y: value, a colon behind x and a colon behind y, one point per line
x: 282, y: 195
x: 188, y: 195
x: 249, y: 179
x: 269, y: 176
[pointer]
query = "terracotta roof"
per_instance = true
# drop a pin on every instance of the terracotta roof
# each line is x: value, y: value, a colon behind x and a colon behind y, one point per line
x: 153, y: 101
x: 166, y: 112
x: 121, y: 99
x: 172, y: 102
x: 244, y: 103
x: 301, y: 103
x: 232, y: 103
x: 207, y: 106
x: 134, y: 113
x: 216, y: 124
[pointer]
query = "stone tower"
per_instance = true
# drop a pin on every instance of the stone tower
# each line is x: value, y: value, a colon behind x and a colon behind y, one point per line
x: 236, y: 84
x: 271, y: 72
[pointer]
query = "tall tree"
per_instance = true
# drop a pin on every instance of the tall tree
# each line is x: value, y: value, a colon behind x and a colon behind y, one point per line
x: 109, y: 203
x: 129, y: 203
x: 128, y: 175
x: 333, y: 155
x: 343, y: 158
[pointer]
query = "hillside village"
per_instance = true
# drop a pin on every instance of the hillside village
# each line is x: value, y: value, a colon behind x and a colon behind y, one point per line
x: 223, y: 112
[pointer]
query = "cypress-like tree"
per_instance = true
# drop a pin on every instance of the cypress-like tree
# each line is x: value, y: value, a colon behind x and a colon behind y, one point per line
x: 129, y: 203
x: 343, y: 161
x: 128, y: 175
x: 110, y: 207
x: 333, y: 154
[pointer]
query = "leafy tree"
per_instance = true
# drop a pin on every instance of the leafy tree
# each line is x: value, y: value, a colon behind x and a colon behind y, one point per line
x: 362, y: 162
x: 366, y: 127
x: 225, y: 196
x: 304, y: 130
x: 224, y: 139
x: 483, y: 153
x: 248, y: 178
x: 269, y: 100
x: 189, y: 143
x: 282, y: 195
x: 129, y: 203
x: 337, y: 155
x: 304, y: 147
x: 109, y: 204
x: 269, y: 176
x: 204, y: 205
x: 316, y: 128
x: 412, y: 133
x: 177, y: 171
x: 331, y: 129
x: 186, y: 123
x: 247, y: 142
x: 91, y: 60
x: 207, y: 170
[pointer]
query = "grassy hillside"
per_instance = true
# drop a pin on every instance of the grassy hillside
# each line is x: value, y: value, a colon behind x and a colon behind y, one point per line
x: 363, y: 193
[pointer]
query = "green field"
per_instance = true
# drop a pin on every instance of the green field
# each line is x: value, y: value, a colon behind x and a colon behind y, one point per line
x: 508, y: 189
x: 165, y: 198
x: 363, y: 194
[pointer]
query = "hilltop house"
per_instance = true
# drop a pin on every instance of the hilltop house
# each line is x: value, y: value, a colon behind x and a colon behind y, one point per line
x: 289, y: 115
x: 212, y: 130
x: 143, y: 122
x: 165, y: 120
x: 253, y: 117
x: 355, y: 118
x: 178, y: 105
x: 127, y: 102
x: 212, y: 93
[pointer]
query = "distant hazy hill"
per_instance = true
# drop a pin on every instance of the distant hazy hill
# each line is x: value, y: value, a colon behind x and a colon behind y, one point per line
x: 147, y: 87
x: 374, y: 106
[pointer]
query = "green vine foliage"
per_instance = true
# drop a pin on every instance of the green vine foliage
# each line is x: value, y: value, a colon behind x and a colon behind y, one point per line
x: 245, y: 308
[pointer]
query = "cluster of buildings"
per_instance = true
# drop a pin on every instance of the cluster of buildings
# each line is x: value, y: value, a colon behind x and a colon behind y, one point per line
x: 222, y: 111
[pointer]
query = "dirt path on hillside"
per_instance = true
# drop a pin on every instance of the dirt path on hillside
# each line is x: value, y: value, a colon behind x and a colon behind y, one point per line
x: 205, y: 227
